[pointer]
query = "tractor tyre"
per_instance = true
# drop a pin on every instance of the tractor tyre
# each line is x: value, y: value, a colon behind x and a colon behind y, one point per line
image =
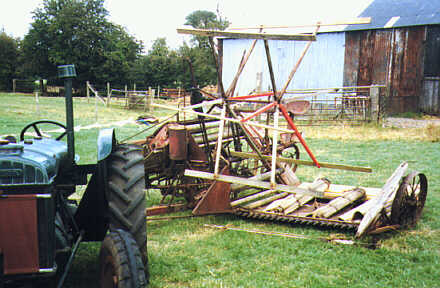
x: 120, y: 262
x: 126, y: 196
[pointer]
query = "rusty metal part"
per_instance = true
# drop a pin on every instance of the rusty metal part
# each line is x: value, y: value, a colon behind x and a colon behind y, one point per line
x: 217, y: 199
x: 409, y: 200
x: 157, y: 210
x: 178, y: 144
x: 255, y: 214
x: 290, y: 151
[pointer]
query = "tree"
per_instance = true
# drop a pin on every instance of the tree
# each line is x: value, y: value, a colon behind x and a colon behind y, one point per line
x: 202, y: 19
x: 78, y: 32
x: 9, y: 51
x: 159, y: 68
x: 200, y: 54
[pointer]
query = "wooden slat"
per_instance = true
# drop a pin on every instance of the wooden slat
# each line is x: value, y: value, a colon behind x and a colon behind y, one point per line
x: 241, y: 35
x: 304, y: 162
x: 359, y: 20
x: 388, y: 192
x: 252, y: 183
x: 214, y: 116
x: 251, y: 197
x: 265, y: 201
x: 338, y: 204
x: 336, y: 190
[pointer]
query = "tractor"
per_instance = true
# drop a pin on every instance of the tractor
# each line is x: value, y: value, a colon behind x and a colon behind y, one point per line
x: 41, y: 228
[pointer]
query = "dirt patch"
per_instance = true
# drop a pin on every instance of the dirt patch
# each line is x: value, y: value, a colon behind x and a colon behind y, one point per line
x: 409, y: 123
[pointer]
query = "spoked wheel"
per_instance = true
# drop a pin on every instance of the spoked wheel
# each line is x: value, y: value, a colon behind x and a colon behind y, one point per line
x: 291, y: 152
x: 410, y: 199
x: 120, y: 262
x: 37, y: 127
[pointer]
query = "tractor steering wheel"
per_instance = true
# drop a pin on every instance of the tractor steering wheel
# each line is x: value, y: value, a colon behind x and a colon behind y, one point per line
x: 37, y: 130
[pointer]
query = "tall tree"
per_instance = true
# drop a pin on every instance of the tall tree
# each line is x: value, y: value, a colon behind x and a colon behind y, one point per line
x: 201, y: 54
x: 202, y: 19
x: 159, y: 67
x: 9, y: 51
x: 78, y: 32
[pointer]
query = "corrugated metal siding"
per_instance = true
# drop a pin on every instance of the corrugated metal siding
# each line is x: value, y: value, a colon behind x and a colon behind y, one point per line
x: 432, y: 54
x: 430, y: 102
x: 322, y: 67
x: 391, y: 57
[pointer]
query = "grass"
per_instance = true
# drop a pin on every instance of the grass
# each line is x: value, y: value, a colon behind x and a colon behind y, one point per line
x: 185, y: 253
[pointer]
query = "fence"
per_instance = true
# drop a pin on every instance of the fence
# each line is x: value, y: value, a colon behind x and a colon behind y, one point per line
x: 328, y: 106
x: 352, y: 105
x: 130, y: 99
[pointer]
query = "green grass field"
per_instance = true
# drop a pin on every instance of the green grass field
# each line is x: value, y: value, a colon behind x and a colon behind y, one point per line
x: 185, y: 253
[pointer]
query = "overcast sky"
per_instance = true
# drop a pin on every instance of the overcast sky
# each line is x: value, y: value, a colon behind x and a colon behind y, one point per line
x: 148, y: 20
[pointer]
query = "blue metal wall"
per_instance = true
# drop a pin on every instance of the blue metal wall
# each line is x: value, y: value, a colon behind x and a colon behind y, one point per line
x: 322, y: 67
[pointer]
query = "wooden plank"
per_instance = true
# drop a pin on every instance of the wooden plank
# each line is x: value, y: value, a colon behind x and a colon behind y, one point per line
x: 338, y: 203
x: 261, y: 177
x: 388, y: 192
x: 265, y: 201
x: 242, y: 35
x: 252, y: 183
x: 354, y: 21
x: 250, y: 123
x: 304, y: 162
x: 361, y: 209
x: 336, y: 190
x: 251, y: 197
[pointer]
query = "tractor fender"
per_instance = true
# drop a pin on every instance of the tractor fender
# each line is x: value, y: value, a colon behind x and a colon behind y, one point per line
x: 106, y: 143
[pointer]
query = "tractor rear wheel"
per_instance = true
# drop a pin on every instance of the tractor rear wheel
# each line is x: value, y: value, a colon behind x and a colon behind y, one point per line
x: 120, y: 262
x: 126, y: 196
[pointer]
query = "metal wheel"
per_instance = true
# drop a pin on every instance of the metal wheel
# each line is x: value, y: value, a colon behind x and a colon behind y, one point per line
x: 120, y: 262
x: 291, y: 152
x: 410, y: 199
x: 35, y: 126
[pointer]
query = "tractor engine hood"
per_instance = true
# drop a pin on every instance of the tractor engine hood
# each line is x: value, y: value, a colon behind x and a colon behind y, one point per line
x: 35, y: 161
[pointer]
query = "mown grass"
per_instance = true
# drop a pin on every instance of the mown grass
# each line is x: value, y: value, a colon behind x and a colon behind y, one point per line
x: 185, y: 253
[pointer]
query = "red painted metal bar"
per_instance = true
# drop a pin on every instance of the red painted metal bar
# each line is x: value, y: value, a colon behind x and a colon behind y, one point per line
x: 292, y: 125
x: 250, y: 96
x: 259, y: 111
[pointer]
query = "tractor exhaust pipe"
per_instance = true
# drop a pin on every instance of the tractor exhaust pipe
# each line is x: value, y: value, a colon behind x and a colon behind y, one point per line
x: 67, y: 72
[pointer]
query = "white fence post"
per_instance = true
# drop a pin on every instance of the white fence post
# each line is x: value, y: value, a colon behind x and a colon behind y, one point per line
x: 87, y: 91
x: 374, y: 96
x: 126, y: 95
x: 109, y: 94
x: 37, y: 105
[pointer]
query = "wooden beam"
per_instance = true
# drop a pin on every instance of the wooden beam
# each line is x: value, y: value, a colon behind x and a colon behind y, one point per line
x: 387, y: 194
x: 241, y: 35
x: 304, y: 162
x: 252, y: 183
x: 354, y: 21
x: 234, y: 120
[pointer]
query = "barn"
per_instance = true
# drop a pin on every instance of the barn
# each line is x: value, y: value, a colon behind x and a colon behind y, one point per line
x: 399, y: 49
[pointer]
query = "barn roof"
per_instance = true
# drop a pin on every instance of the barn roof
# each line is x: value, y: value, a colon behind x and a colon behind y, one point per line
x: 399, y: 13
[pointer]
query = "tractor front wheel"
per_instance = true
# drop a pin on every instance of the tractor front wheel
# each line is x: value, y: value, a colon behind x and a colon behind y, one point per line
x: 120, y: 262
x: 126, y: 196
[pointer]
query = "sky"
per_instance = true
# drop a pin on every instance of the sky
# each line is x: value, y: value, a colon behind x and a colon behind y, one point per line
x: 149, y: 20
